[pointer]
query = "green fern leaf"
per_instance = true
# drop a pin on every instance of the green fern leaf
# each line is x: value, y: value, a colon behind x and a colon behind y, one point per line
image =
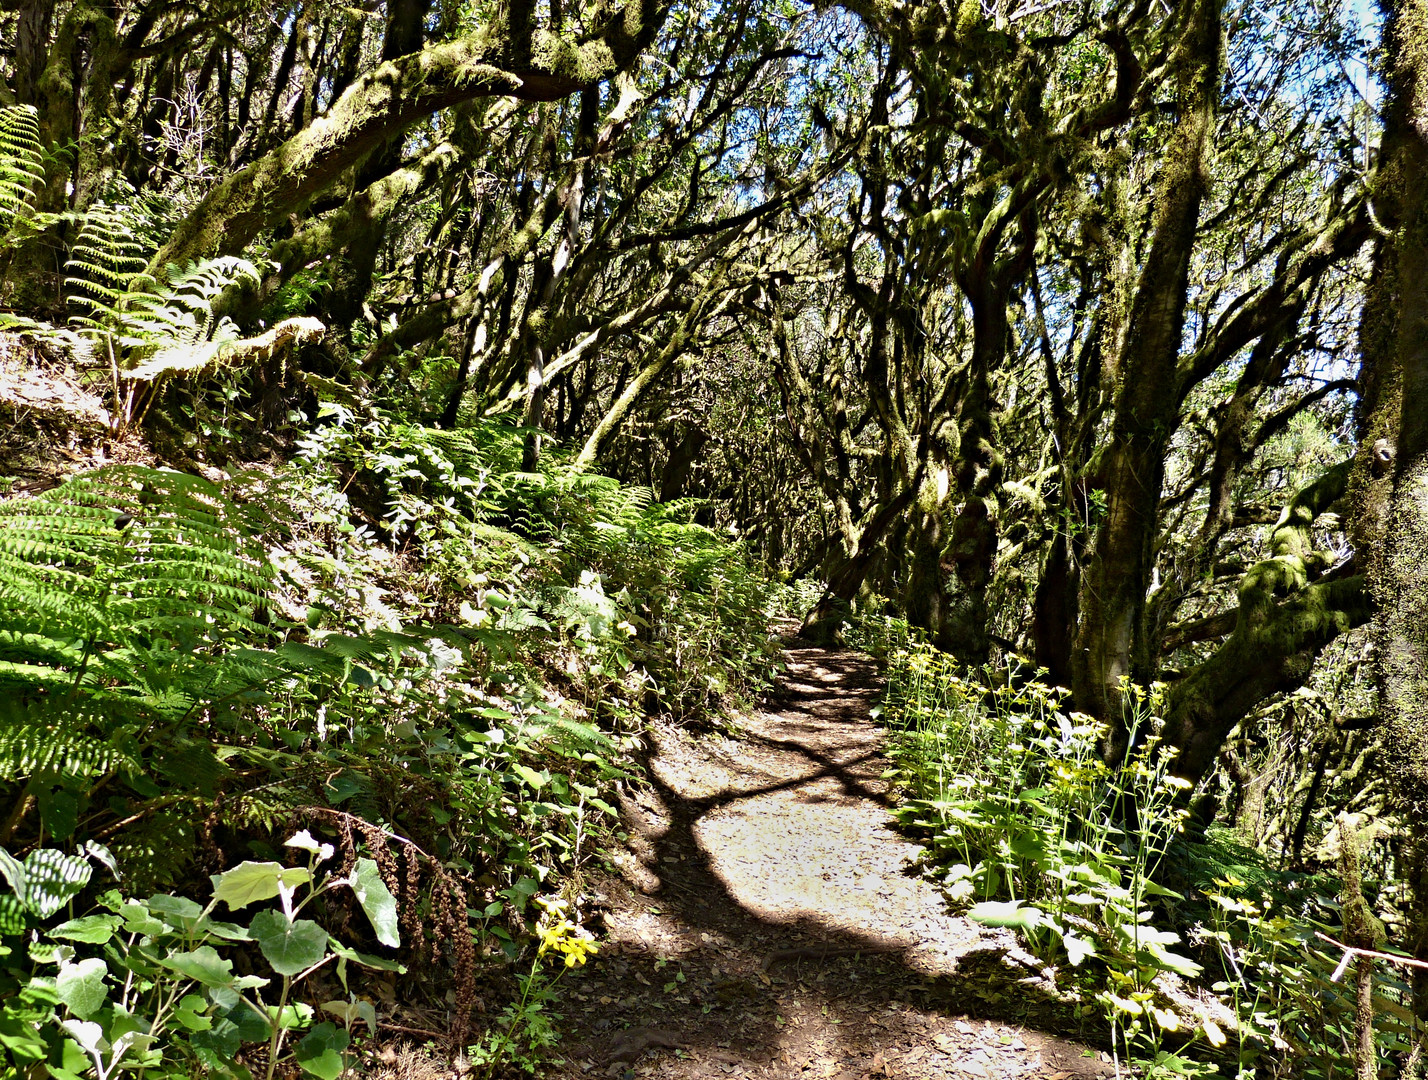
x: 21, y: 162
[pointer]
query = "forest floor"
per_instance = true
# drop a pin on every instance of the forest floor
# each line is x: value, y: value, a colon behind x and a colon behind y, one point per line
x: 767, y: 921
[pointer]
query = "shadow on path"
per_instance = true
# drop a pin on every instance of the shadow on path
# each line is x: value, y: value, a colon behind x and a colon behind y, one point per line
x: 766, y: 923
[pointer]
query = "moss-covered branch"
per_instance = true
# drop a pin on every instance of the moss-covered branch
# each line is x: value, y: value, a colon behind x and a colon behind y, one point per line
x: 1289, y: 610
x: 366, y: 210
x: 390, y: 99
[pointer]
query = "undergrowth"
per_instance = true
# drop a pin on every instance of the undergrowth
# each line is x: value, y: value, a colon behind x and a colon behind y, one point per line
x: 1203, y: 961
x: 397, y: 652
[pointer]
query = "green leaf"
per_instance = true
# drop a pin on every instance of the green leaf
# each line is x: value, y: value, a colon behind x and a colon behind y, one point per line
x: 81, y: 986
x: 252, y: 1025
x: 1077, y: 949
x: 92, y: 929
x: 177, y: 911
x: 222, y: 1039
x: 73, y: 1058
x: 1012, y: 913
x: 59, y: 812
x: 20, y: 1037
x: 137, y: 919
x: 98, y: 851
x: 225, y: 930
x: 1030, y: 847
x: 252, y: 882
x: 191, y: 1013
x: 350, y: 1012
x: 290, y: 1017
x: 291, y: 948
x: 1150, y: 888
x: 303, y: 841
x: 47, y: 879
x: 203, y: 965
x: 377, y: 901
x: 1181, y: 965
x: 537, y: 780
x: 376, y: 963
x: 320, y: 1051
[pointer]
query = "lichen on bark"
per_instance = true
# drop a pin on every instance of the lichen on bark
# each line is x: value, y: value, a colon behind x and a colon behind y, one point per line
x: 1289, y: 610
x: 392, y: 98
x: 1395, y: 369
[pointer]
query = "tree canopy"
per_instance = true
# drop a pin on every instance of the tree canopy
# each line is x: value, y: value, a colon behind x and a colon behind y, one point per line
x: 1090, y: 337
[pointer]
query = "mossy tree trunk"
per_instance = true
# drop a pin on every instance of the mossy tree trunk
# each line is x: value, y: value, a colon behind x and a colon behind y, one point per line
x: 821, y: 625
x: 1393, y: 467
x: 1291, y: 606
x: 1112, y: 643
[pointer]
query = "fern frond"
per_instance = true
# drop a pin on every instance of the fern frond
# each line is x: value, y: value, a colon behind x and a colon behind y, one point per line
x: 198, y: 357
x: 122, y: 554
x: 57, y: 740
x: 153, y: 851
x: 21, y: 161
x: 105, y: 269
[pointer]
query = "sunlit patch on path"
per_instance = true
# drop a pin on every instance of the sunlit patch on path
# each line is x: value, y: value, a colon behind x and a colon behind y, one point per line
x: 767, y: 924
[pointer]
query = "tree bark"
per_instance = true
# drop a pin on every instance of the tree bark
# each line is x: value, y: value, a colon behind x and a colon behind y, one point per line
x: 1112, y: 643
x: 390, y: 99
x: 32, y: 40
x: 1395, y: 367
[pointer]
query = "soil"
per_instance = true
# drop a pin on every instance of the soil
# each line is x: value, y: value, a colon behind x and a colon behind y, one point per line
x: 768, y: 920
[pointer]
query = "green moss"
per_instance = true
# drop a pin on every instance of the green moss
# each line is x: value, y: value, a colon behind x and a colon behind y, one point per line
x: 384, y: 103
x: 969, y: 14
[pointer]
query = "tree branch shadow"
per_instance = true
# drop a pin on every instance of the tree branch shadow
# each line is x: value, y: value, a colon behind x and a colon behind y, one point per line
x: 717, y: 977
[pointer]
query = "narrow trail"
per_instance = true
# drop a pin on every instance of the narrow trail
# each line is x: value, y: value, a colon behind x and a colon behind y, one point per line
x: 766, y: 923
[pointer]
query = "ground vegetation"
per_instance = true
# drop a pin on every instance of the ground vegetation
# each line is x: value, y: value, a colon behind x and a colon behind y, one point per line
x: 407, y: 404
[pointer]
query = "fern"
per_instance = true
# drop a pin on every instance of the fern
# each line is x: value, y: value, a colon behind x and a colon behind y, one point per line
x: 104, y: 273
x: 21, y: 162
x: 116, y: 591
x: 132, y: 607
x: 125, y: 557
x: 122, y: 592
x: 57, y: 741
x: 150, y: 329
x: 145, y: 329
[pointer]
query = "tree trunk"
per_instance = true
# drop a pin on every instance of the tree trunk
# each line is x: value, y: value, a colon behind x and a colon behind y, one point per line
x: 32, y: 41
x: 1395, y: 367
x: 821, y: 624
x: 1111, y: 643
x: 682, y: 456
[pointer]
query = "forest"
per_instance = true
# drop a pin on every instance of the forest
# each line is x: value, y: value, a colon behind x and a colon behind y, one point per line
x: 421, y: 421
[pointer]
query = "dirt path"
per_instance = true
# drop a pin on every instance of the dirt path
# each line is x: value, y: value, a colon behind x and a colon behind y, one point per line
x: 767, y: 925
